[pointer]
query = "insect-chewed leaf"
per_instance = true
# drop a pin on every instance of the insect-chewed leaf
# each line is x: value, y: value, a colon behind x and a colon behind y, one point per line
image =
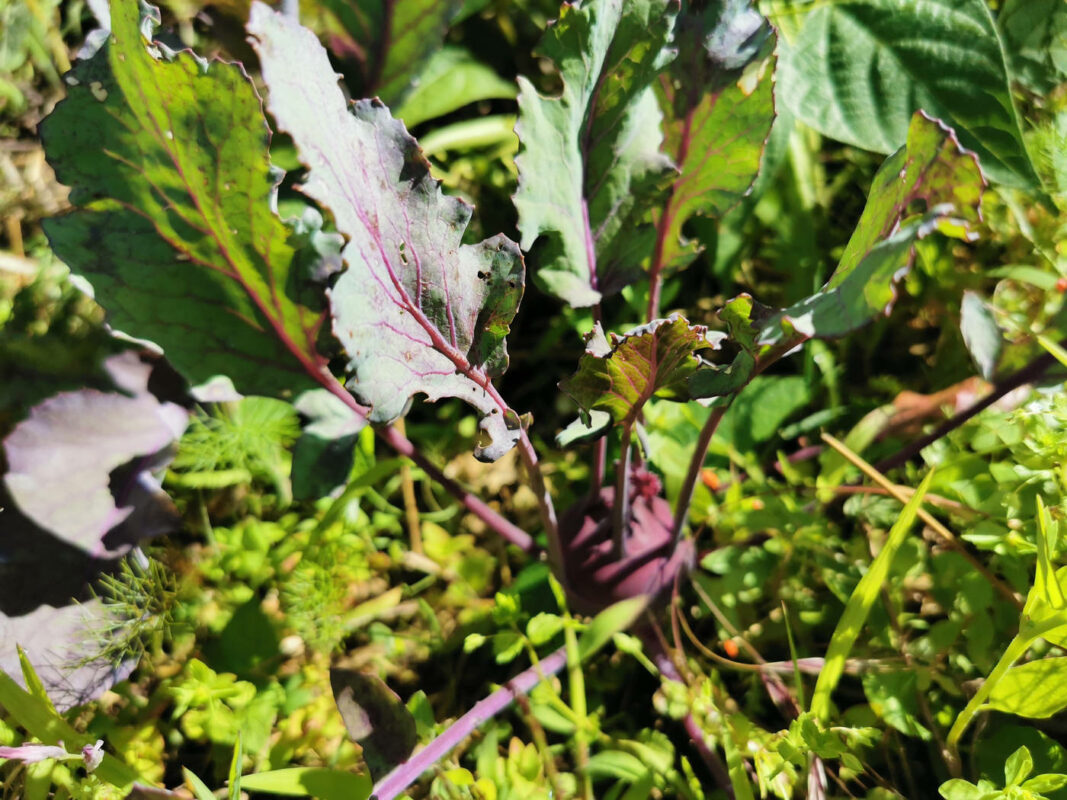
x: 590, y: 159
x: 930, y: 169
x: 416, y: 310
x: 172, y: 222
x: 653, y: 359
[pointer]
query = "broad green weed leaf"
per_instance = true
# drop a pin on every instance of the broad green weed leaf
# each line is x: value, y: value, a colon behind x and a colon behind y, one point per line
x: 1034, y: 33
x: 393, y: 40
x: 860, y: 603
x: 981, y: 333
x: 1018, y: 766
x: 319, y: 782
x: 172, y: 221
x: 607, y: 623
x: 716, y: 119
x: 859, y: 70
x: 653, y: 359
x: 1036, y: 689
x: 590, y: 159
x: 451, y: 79
x: 416, y: 310
x: 930, y: 169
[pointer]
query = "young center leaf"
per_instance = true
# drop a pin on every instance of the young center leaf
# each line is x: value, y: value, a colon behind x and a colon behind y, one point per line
x: 590, y: 160
x: 416, y: 310
x: 717, y: 118
x: 172, y: 222
x: 620, y: 376
x: 859, y: 69
x: 931, y: 171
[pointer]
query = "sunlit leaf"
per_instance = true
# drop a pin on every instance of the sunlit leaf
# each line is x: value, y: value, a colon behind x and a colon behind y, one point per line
x: 716, y: 117
x: 416, y: 310
x: 326, y: 784
x: 451, y: 79
x: 651, y: 360
x: 981, y: 333
x: 1037, y: 689
x: 860, y: 69
x: 931, y: 172
x: 590, y: 158
x: 172, y: 221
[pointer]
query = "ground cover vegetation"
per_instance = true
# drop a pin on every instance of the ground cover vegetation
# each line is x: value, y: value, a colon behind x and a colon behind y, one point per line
x: 493, y: 399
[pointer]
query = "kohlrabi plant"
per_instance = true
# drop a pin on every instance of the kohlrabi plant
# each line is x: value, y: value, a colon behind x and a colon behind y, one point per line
x: 659, y: 124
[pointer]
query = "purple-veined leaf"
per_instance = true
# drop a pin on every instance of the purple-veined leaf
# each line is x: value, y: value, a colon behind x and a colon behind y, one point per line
x: 172, y: 221
x: 931, y: 170
x: 61, y: 459
x: 717, y: 118
x: 620, y: 376
x: 590, y: 160
x: 416, y: 310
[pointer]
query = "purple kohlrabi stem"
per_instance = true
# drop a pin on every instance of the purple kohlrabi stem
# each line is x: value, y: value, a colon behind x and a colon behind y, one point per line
x: 407, y: 773
x: 696, y: 464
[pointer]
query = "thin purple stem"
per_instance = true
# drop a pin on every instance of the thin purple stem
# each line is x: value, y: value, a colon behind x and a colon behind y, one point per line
x: 407, y: 773
x: 403, y: 446
x: 696, y: 464
x: 620, y: 509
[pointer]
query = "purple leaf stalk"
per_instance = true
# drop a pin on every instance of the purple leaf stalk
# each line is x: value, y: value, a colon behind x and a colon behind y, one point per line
x: 407, y: 773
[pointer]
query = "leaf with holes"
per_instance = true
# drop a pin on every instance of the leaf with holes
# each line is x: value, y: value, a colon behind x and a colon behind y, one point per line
x: 620, y: 376
x: 859, y: 69
x: 930, y: 171
x: 172, y: 219
x: 590, y: 160
x: 416, y: 310
x: 717, y: 117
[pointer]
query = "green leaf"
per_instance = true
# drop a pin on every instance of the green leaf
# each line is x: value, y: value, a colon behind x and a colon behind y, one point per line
x: 860, y: 603
x: 959, y: 789
x: 716, y: 121
x: 580, y: 431
x: 1034, y: 33
x: 714, y: 381
x: 542, y: 628
x: 651, y: 360
x: 590, y: 160
x: 930, y: 170
x: 199, y: 788
x: 1037, y: 689
x: 1043, y: 784
x: 42, y: 722
x: 325, y: 784
x: 394, y: 39
x: 451, y: 79
x: 416, y: 310
x: 607, y: 623
x: 235, y: 770
x: 617, y: 764
x: 1018, y: 766
x: 894, y: 697
x: 172, y: 221
x: 981, y: 333
x: 33, y: 680
x: 859, y: 70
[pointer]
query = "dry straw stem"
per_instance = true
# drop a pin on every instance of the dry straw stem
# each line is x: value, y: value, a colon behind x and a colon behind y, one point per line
x: 903, y: 494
